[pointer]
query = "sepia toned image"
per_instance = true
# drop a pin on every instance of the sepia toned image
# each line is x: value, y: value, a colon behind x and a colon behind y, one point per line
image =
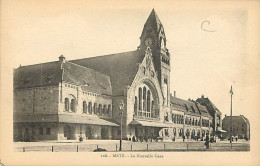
x: 156, y: 82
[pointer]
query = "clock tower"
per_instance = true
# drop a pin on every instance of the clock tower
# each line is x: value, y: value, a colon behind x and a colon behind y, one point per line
x: 153, y: 35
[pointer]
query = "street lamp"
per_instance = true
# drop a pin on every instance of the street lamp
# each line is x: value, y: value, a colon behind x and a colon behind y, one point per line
x: 121, y: 107
x: 231, y: 127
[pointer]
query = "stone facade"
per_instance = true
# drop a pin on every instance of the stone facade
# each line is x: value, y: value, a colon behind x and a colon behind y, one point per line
x: 240, y: 127
x: 68, y: 100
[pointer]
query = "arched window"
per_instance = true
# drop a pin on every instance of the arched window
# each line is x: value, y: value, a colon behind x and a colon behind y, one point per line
x: 203, y: 133
x: 105, y: 110
x: 109, y: 110
x: 90, y: 107
x: 144, y: 99
x: 198, y: 133
x: 135, y: 106
x: 73, y: 105
x: 67, y: 107
x: 153, y: 111
x: 148, y: 101
x: 181, y: 132
x: 140, y: 98
x: 174, y: 132
x: 99, y: 109
x: 173, y: 117
x: 84, y: 107
x: 95, y: 108
x: 193, y: 134
x: 187, y: 133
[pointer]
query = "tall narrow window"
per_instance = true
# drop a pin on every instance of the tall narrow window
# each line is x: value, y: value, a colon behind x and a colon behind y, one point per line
x: 90, y: 107
x: 148, y: 101
x: 67, y: 107
x: 140, y: 98
x: 99, y: 109
x: 84, y: 107
x: 135, y: 106
x: 109, y: 110
x: 95, y: 108
x: 144, y: 99
x: 105, y: 110
x: 73, y: 105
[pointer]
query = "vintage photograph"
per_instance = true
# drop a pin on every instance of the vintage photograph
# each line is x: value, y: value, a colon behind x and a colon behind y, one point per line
x: 129, y: 82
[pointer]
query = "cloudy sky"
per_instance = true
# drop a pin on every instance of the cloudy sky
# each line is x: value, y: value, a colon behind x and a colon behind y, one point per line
x: 205, y: 59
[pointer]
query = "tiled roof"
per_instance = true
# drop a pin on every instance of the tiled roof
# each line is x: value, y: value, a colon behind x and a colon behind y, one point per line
x: 210, y: 106
x: 47, y: 74
x: 38, y: 75
x: 189, y: 107
x: 203, y: 110
x: 121, y: 68
x: 240, y: 118
x: 89, y: 79
x: 63, y: 118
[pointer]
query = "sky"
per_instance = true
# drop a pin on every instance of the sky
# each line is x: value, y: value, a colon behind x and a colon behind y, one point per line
x: 208, y: 46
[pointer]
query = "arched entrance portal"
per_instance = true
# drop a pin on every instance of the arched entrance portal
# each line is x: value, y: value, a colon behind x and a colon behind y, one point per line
x: 147, y: 100
x: 69, y: 132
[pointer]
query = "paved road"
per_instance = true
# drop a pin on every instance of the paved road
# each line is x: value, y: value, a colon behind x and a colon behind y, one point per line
x: 113, y: 145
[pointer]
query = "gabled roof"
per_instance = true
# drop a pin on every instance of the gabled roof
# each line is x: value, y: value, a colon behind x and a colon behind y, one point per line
x: 44, y: 74
x: 48, y: 74
x: 240, y: 118
x: 210, y: 106
x: 121, y: 68
x: 188, y: 107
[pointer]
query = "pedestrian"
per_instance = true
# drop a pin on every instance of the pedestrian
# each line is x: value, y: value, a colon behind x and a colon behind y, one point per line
x: 207, y: 141
x: 183, y: 137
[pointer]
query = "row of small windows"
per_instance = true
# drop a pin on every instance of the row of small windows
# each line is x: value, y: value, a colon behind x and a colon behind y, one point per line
x: 188, y: 133
x: 70, y: 86
x: 165, y: 60
x: 87, y: 93
x: 96, y: 109
x: 88, y: 108
x: 179, y: 119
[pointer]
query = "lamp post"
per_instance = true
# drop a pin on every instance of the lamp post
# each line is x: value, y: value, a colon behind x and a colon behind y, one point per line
x: 121, y: 107
x: 231, y: 128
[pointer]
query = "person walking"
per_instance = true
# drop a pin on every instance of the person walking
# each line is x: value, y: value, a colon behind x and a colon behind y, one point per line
x: 207, y: 141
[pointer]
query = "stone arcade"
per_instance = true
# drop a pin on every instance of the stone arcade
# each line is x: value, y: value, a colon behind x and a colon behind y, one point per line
x: 64, y: 100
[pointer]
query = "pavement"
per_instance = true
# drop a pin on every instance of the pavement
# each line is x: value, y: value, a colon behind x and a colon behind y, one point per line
x: 113, y: 146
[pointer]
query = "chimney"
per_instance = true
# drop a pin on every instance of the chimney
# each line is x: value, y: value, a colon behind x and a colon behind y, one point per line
x: 225, y: 115
x: 174, y: 94
x: 62, y: 59
x: 202, y: 96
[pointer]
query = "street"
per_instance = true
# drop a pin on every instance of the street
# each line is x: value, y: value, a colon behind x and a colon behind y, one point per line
x: 113, y: 146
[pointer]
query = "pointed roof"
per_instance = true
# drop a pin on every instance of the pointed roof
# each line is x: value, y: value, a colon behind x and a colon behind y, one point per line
x: 153, y: 21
